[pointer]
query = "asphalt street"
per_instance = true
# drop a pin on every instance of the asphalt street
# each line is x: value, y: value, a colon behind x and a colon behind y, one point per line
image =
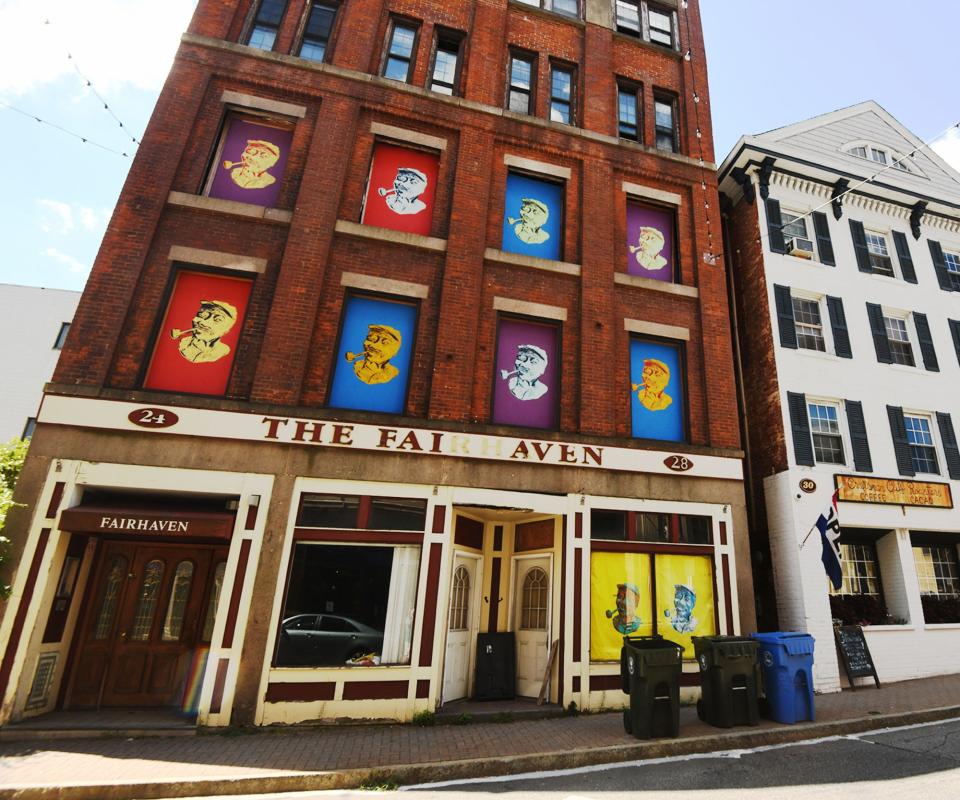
x: 905, y: 763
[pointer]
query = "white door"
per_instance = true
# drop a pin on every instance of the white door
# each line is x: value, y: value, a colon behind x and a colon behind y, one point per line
x: 532, y: 622
x: 456, y: 669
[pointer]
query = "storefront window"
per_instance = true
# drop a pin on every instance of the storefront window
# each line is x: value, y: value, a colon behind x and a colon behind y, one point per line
x: 859, y: 600
x: 939, y: 577
x: 349, y: 605
x: 648, y: 527
x: 349, y: 512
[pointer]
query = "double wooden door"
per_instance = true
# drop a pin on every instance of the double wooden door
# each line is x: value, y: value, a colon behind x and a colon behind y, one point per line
x: 151, y: 606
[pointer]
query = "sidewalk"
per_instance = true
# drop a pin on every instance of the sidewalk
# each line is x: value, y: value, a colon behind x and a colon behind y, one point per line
x: 349, y: 756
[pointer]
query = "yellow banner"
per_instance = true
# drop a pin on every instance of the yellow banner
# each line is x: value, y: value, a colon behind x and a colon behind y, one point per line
x: 685, y: 602
x: 620, y: 593
x: 892, y: 491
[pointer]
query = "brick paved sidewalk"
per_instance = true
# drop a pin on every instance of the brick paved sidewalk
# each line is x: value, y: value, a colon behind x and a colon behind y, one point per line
x: 288, y: 758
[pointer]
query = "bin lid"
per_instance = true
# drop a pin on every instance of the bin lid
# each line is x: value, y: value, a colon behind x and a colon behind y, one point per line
x: 795, y: 643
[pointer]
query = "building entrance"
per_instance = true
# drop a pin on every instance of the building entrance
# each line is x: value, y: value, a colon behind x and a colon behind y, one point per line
x: 149, y: 612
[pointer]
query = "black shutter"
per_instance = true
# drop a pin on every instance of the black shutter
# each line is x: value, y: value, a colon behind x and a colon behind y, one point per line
x: 940, y: 266
x: 862, y: 462
x: 955, y: 332
x: 860, y: 246
x: 800, y: 423
x: 929, y: 354
x: 903, y: 254
x: 775, y: 226
x: 838, y: 322
x: 901, y: 447
x: 880, y: 340
x: 950, y: 448
x: 788, y: 330
x: 824, y: 245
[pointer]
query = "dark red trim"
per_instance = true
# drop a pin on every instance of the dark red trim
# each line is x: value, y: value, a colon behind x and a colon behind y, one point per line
x: 55, y: 499
x: 429, y: 608
x: 251, y: 522
x: 375, y: 690
x: 606, y: 683
x: 234, y: 609
x: 602, y: 545
x: 377, y: 537
x: 498, y: 538
x: 363, y: 511
x: 219, y: 683
x: 577, y: 602
x: 423, y: 690
x: 723, y: 533
x: 494, y: 595
x: 299, y: 692
x: 468, y: 533
x: 578, y: 525
x: 6, y: 666
x: 727, y: 596
x: 439, y: 518
x: 575, y: 683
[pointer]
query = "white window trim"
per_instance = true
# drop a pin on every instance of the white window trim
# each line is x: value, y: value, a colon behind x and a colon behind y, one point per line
x: 911, y: 328
x: 813, y: 400
x: 931, y: 419
x: 826, y: 328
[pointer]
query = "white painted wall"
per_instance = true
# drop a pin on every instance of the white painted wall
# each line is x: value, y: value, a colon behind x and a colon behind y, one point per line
x: 30, y: 319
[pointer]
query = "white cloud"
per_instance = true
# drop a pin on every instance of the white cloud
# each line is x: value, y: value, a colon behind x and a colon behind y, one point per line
x: 68, y: 261
x: 114, y: 42
x: 948, y: 148
x: 65, y: 218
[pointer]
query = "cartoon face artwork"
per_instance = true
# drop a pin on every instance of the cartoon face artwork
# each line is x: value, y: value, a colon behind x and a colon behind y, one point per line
x: 251, y: 172
x: 625, y: 619
x: 404, y: 197
x: 373, y: 366
x: 213, y: 320
x: 528, y: 227
x: 524, y: 382
x: 646, y: 251
x: 651, y: 391
x: 681, y: 616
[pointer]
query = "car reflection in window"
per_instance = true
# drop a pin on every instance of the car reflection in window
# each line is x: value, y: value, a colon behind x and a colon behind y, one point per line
x: 327, y: 640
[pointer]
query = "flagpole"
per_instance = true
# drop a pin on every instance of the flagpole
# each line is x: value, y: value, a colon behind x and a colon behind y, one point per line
x: 812, y: 529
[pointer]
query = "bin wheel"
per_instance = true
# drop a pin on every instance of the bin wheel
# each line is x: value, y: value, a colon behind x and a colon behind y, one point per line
x: 627, y: 722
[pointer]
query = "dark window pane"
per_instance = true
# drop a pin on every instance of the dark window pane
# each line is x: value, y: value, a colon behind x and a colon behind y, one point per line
x: 317, y: 33
x: 62, y: 336
x: 608, y: 525
x: 328, y: 511
x: 397, y: 514
x: 695, y: 530
x: 568, y: 7
x: 271, y: 11
x: 519, y: 102
x: 653, y: 528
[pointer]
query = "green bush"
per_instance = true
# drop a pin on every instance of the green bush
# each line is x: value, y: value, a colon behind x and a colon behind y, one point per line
x: 424, y: 719
x: 12, y: 455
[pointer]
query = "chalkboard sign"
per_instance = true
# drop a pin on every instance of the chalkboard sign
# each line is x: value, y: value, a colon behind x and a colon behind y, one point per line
x: 855, y: 654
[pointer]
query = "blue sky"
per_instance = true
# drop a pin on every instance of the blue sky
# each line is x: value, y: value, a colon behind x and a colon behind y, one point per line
x: 771, y: 62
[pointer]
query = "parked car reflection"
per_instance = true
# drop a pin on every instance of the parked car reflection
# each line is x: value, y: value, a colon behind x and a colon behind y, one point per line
x: 319, y: 640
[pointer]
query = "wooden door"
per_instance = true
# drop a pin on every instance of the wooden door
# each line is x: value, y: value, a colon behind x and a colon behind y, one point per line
x: 143, y: 624
x: 531, y: 622
x: 461, y: 630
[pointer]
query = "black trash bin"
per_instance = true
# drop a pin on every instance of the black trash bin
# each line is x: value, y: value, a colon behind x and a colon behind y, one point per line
x: 729, y: 680
x: 650, y: 673
x: 496, y: 662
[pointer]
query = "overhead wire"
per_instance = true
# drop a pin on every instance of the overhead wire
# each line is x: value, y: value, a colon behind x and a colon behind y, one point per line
x: 60, y: 128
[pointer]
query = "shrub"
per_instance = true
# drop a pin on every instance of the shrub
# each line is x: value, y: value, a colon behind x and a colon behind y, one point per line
x: 424, y: 719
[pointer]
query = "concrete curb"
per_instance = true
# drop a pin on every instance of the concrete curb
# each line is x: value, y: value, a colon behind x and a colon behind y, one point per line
x: 733, y: 739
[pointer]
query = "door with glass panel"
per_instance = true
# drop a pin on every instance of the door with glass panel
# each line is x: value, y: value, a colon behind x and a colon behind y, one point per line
x: 531, y: 621
x: 151, y: 608
x: 461, y: 629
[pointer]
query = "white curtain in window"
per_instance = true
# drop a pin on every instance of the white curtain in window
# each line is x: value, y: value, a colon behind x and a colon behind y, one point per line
x: 401, y: 606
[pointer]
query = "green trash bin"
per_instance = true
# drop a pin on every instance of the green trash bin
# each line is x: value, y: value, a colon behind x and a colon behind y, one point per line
x: 650, y: 673
x: 729, y: 680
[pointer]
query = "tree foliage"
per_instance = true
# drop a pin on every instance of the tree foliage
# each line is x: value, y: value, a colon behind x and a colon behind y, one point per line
x: 12, y: 455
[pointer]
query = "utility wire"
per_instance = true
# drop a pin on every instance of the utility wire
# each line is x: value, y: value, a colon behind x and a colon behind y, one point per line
x: 89, y: 84
x: 83, y: 139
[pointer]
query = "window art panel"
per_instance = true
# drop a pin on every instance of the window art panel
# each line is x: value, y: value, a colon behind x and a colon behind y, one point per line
x: 650, y: 242
x: 251, y: 163
x: 657, y: 390
x: 685, y: 600
x: 402, y: 189
x: 620, y: 592
x: 533, y: 217
x: 197, y: 341
x: 527, y: 380
x: 373, y: 357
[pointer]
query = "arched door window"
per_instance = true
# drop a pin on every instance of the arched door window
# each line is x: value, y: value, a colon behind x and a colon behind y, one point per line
x: 111, y: 596
x: 533, y: 611
x: 148, y: 597
x: 460, y: 600
x: 179, y: 594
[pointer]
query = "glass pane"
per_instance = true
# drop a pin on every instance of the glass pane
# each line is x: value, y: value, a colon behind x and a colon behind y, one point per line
x: 562, y: 82
x: 211, y: 615
x: 519, y: 102
x: 627, y: 104
x: 263, y: 38
x: 628, y: 16
x: 397, y: 69
x: 401, y: 44
x: 664, y: 113
x: 695, y: 530
x: 533, y: 613
x: 445, y: 67
x: 271, y: 11
x: 608, y: 525
x: 111, y: 595
x: 328, y: 511
x: 313, y: 51
x: 320, y: 23
x: 568, y: 7
x: 560, y: 112
x: 397, y: 514
x: 653, y: 528
x: 179, y: 594
x: 147, y: 604
x: 520, y: 72
x: 460, y: 600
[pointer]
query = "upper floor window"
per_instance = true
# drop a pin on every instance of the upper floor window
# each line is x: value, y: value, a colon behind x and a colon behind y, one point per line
x: 952, y: 261
x: 445, y: 74
x: 629, y: 103
x: 628, y: 17
x: 665, y: 112
x: 809, y: 324
x: 569, y: 8
x: 263, y: 34
x: 400, y: 51
x: 923, y: 452
x: 825, y: 427
x: 29, y: 427
x: 62, y: 336
x: 316, y: 34
x: 880, y: 156
x: 522, y: 79
x: 661, y: 26
x: 652, y: 23
x: 900, y: 348
x: 562, y: 81
x: 657, y: 388
x: 879, y: 253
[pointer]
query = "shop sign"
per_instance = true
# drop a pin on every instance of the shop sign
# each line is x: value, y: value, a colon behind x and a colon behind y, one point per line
x: 143, y: 524
x: 893, y: 491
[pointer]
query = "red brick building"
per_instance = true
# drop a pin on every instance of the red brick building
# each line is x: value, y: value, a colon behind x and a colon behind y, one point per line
x: 405, y: 331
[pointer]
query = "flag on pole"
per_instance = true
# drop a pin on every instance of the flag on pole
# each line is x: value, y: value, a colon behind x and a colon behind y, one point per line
x: 829, y: 526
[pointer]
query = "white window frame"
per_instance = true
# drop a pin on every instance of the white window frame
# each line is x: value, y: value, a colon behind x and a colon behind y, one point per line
x: 548, y: 5
x: 931, y: 421
x: 826, y: 329
x: 885, y: 237
x: 952, y: 257
x: 909, y: 329
x: 837, y: 406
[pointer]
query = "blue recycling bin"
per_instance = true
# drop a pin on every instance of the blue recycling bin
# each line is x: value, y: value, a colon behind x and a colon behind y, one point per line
x: 786, y: 661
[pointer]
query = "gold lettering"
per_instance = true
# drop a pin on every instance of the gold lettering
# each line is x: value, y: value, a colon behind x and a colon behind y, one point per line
x: 459, y: 444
